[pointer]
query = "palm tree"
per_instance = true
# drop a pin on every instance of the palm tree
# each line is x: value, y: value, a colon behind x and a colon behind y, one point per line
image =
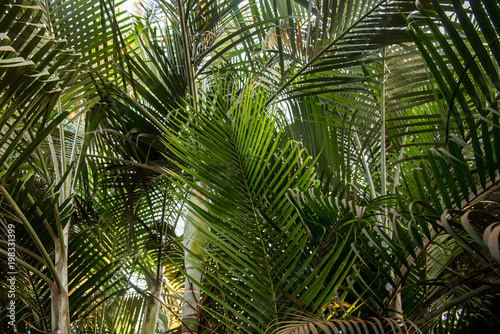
x: 355, y: 108
x: 161, y: 70
x: 359, y: 103
x: 331, y: 189
x: 46, y: 88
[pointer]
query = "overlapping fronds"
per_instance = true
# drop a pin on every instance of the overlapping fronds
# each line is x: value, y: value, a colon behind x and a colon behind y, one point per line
x: 464, y: 65
x: 48, y: 49
x: 306, y: 324
x: 271, y: 245
x: 247, y: 211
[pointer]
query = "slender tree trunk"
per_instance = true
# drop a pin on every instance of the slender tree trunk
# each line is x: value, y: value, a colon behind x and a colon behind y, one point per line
x: 153, y: 304
x: 59, y: 293
x: 396, y: 304
x: 193, y: 241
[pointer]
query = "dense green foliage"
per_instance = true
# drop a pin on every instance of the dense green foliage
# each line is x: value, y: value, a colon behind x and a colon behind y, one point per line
x: 344, y: 155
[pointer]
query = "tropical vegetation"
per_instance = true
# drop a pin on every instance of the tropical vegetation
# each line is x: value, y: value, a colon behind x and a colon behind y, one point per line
x: 249, y: 166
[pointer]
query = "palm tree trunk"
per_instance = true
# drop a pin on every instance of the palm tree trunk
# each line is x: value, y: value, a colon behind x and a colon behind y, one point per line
x: 59, y: 292
x: 193, y: 239
x: 60, y: 312
x: 193, y: 242
x: 396, y: 304
x: 153, y: 303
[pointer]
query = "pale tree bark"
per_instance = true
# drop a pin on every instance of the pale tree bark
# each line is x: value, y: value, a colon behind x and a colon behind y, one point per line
x: 60, y: 311
x: 153, y: 304
x: 193, y: 239
x: 193, y: 242
x: 59, y: 292
x: 396, y: 305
